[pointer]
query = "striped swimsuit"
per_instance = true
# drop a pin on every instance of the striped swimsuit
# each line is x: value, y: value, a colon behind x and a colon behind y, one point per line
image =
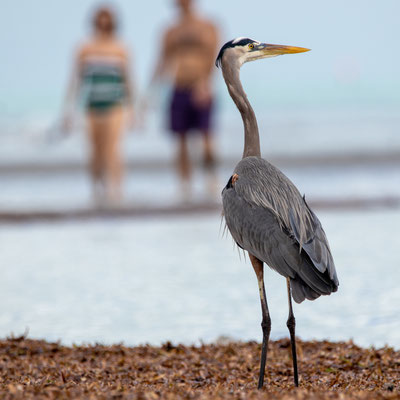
x: 103, y: 83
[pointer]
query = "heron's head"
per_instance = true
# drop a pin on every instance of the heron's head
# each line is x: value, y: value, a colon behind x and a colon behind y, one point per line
x: 242, y: 50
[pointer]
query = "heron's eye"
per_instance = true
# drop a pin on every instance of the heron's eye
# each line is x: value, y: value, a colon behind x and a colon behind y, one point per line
x: 251, y: 46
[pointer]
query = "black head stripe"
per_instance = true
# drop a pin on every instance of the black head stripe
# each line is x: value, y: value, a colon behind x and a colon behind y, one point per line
x: 232, y: 43
x: 243, y: 42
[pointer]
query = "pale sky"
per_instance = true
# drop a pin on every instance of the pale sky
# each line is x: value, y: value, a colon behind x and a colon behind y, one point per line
x: 354, y: 57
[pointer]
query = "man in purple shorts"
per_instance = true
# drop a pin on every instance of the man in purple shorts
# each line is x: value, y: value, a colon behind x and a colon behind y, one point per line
x: 187, y: 113
x: 188, y: 55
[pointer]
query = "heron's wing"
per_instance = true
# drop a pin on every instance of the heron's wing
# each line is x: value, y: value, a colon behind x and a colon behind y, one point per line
x: 257, y: 230
x: 263, y: 185
x: 315, y: 244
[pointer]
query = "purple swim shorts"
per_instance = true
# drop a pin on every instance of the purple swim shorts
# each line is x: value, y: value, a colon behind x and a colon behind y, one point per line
x: 186, y: 114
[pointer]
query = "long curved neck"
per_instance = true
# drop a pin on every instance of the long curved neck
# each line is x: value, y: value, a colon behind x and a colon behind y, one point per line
x: 235, y: 88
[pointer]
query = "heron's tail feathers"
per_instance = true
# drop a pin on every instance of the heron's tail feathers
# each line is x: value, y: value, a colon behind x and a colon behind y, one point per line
x: 300, y: 292
x: 309, y: 283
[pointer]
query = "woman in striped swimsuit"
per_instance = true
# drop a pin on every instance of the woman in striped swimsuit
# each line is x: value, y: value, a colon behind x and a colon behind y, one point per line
x: 101, y: 80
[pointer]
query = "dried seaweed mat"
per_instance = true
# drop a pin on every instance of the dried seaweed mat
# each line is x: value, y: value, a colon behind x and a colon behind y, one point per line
x: 37, y: 369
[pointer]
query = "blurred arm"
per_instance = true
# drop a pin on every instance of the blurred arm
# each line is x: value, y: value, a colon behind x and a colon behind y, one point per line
x: 130, y: 88
x: 70, y: 100
x: 159, y: 75
x: 213, y: 41
x: 129, y: 81
x: 203, y: 91
x: 164, y: 60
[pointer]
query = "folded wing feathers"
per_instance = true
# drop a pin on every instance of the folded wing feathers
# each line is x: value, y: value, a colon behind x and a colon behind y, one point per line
x: 273, y: 194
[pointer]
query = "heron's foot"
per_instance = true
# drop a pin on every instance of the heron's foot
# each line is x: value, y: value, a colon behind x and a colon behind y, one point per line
x: 266, y: 328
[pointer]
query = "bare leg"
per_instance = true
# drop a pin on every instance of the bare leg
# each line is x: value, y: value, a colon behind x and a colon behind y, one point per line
x: 291, y: 324
x: 183, y: 158
x: 112, y: 156
x: 209, y: 165
x: 266, y: 319
x: 96, y: 134
x: 209, y: 156
x: 183, y: 166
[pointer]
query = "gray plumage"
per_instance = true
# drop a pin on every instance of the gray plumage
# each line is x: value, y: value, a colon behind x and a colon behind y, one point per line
x: 265, y: 212
x: 267, y: 216
x: 290, y: 238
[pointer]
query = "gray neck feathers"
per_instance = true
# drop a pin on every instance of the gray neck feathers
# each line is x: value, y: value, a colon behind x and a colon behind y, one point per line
x: 230, y: 72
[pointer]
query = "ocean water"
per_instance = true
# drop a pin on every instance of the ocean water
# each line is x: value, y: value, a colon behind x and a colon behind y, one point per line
x: 71, y: 190
x: 181, y: 279
x: 303, y: 131
x: 348, y: 138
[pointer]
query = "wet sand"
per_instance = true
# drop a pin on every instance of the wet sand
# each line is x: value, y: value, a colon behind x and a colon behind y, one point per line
x: 189, y: 208
x: 37, y: 369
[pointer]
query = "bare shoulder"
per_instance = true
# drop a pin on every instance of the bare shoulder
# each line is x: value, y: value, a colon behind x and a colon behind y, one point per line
x: 115, y: 48
x: 171, y: 32
x: 84, y: 50
x: 208, y: 24
x: 169, y: 37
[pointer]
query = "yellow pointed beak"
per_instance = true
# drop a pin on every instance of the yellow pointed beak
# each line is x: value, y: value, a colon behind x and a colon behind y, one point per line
x: 277, y: 49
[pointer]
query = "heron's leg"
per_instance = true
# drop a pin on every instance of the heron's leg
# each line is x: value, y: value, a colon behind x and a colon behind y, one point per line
x: 266, y: 319
x: 291, y: 324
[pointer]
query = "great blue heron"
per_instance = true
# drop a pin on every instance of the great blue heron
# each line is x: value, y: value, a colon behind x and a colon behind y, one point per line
x: 265, y: 212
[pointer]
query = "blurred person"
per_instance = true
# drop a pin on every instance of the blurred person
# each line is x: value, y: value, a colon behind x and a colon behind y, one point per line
x: 187, y: 59
x: 101, y: 81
